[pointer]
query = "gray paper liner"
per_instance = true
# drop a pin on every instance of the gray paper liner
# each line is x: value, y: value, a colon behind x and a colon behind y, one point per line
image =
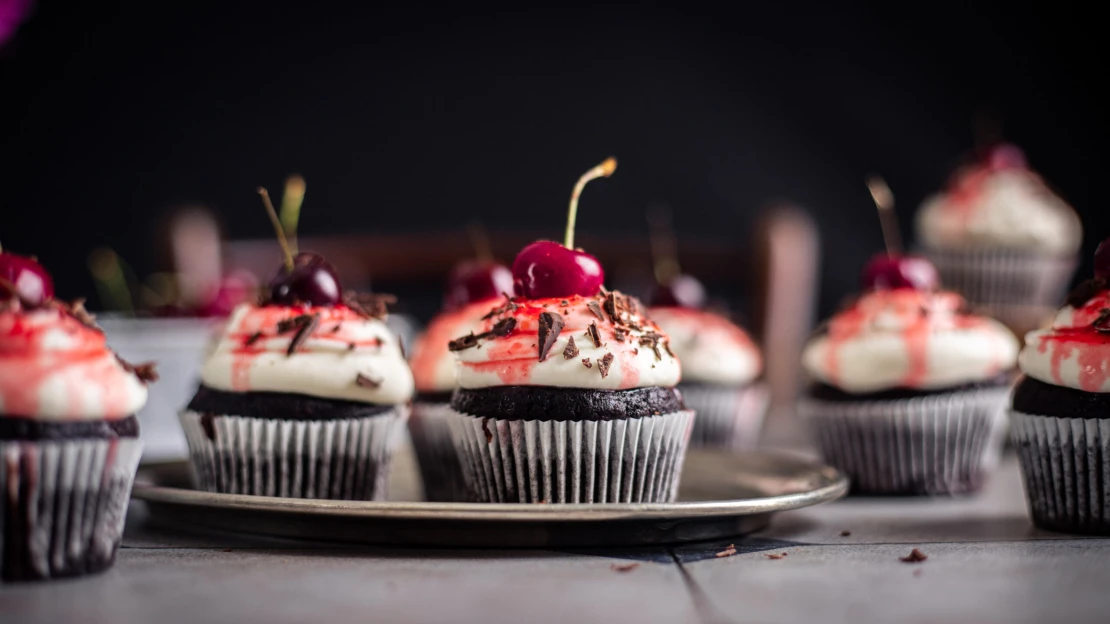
x: 728, y: 417
x: 63, y: 505
x: 1020, y: 289
x: 632, y: 460
x: 435, y: 452
x: 937, y: 444
x: 342, y: 459
x: 1066, y: 466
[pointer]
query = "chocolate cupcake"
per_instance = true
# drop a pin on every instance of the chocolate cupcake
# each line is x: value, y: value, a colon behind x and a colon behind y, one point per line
x: 305, y: 395
x: 909, y: 392
x: 1061, y: 411
x: 472, y: 291
x: 68, y: 432
x: 567, y: 392
x: 720, y: 371
x: 1001, y: 238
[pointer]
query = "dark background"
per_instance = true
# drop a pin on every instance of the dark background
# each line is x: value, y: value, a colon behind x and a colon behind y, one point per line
x: 416, y: 118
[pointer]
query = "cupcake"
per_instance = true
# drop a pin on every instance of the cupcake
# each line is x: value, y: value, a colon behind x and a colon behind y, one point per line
x: 1061, y: 411
x: 69, y: 438
x: 567, y: 391
x: 473, y: 289
x: 305, y: 394
x: 909, y: 392
x: 720, y: 366
x: 1001, y: 238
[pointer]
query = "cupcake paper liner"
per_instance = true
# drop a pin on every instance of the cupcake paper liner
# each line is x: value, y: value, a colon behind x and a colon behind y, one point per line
x: 936, y: 444
x: 435, y: 453
x: 1020, y: 289
x: 63, y: 504
x: 342, y: 459
x: 633, y: 460
x: 728, y: 417
x: 1066, y: 465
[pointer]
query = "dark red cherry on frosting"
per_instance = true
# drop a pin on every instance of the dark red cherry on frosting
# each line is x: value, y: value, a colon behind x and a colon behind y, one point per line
x: 312, y: 280
x: 1002, y: 156
x: 1102, y: 260
x: 32, y: 284
x: 546, y: 269
x: 684, y: 291
x: 886, y: 272
x: 477, y: 280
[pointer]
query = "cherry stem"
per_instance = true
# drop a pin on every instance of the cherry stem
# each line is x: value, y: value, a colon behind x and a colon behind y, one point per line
x: 277, y: 227
x: 480, y: 241
x: 604, y: 170
x: 664, y: 247
x: 888, y: 219
x: 291, y: 201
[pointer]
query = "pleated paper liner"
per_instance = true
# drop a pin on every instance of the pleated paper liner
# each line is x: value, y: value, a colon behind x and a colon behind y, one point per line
x: 630, y: 460
x: 1066, y: 466
x: 728, y: 417
x: 342, y: 459
x: 63, y: 504
x: 932, y: 445
x: 439, y: 462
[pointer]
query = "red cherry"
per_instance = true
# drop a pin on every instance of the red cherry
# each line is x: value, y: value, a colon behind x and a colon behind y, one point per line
x: 1102, y: 260
x: 683, y: 291
x: 33, y: 285
x: 477, y: 280
x: 546, y: 269
x: 885, y: 272
x: 1002, y: 156
x: 313, y: 280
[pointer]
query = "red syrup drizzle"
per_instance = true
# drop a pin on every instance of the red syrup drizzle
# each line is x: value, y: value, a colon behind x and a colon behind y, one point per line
x: 27, y: 361
x: 258, y: 327
x: 432, y: 347
x: 1090, y: 346
x: 915, y: 311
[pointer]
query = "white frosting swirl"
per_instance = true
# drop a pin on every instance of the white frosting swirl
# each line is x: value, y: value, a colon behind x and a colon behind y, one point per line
x: 252, y: 355
x: 1074, y: 352
x: 909, y: 339
x: 640, y: 351
x: 1011, y: 208
x: 54, y: 367
x: 433, y: 365
x: 711, y: 348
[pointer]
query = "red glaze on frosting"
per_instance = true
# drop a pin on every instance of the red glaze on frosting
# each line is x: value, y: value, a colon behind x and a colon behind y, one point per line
x: 433, y: 366
x: 1080, y: 337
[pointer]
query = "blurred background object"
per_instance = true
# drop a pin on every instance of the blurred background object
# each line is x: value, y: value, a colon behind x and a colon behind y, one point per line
x: 12, y: 14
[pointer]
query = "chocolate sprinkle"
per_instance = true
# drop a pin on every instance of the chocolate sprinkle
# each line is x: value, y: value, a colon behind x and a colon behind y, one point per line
x: 369, y: 305
x: 550, y: 326
x: 1086, y: 291
x: 363, y: 381
x: 295, y: 322
x: 571, y: 351
x: 303, y: 333
x: 504, y: 327
x: 592, y: 332
x: 253, y: 338
x: 915, y: 556
x: 604, y: 363
x: 596, y: 309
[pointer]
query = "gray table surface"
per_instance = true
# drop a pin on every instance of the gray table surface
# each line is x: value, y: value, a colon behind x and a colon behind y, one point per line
x: 986, y: 563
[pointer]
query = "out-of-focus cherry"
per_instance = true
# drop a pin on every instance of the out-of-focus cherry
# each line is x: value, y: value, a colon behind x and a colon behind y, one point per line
x: 33, y: 285
x: 886, y: 272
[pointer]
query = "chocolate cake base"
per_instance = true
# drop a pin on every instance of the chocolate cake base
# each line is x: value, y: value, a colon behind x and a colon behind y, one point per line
x: 825, y: 392
x: 566, y: 404
x: 280, y: 405
x: 1033, y: 396
x: 14, y: 428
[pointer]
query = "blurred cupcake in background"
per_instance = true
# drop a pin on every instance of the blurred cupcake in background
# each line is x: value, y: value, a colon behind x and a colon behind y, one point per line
x: 1061, y: 411
x: 1000, y: 237
x: 69, y: 438
x: 473, y: 289
x: 721, y: 365
x: 908, y: 392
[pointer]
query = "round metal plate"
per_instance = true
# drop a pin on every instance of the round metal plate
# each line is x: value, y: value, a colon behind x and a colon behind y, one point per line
x: 722, y: 495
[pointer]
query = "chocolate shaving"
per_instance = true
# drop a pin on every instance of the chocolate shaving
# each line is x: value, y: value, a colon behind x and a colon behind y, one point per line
x: 845, y: 533
x: 611, y: 307
x: 592, y: 332
x: 728, y: 552
x: 915, y: 556
x: 667, y: 347
x: 623, y: 567
x: 363, y: 381
x: 651, y: 339
x: 604, y: 363
x: 620, y: 334
x: 550, y: 326
x: 571, y: 351
x: 774, y: 556
x: 145, y: 372
x: 253, y: 338
x: 335, y: 330
x: 296, y: 322
x: 586, y: 362
x: 502, y: 328
x: 351, y: 346
x: 303, y: 332
x: 465, y: 342
x: 400, y: 346
x: 1086, y: 291
x: 1102, y: 323
x: 508, y: 306
x: 596, y: 309
x: 564, y: 303
x: 369, y: 305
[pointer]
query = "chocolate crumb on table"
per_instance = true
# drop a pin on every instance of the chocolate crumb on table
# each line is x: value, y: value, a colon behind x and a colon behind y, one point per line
x: 623, y: 567
x: 915, y: 556
x: 728, y: 552
x: 775, y: 556
x: 845, y: 533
